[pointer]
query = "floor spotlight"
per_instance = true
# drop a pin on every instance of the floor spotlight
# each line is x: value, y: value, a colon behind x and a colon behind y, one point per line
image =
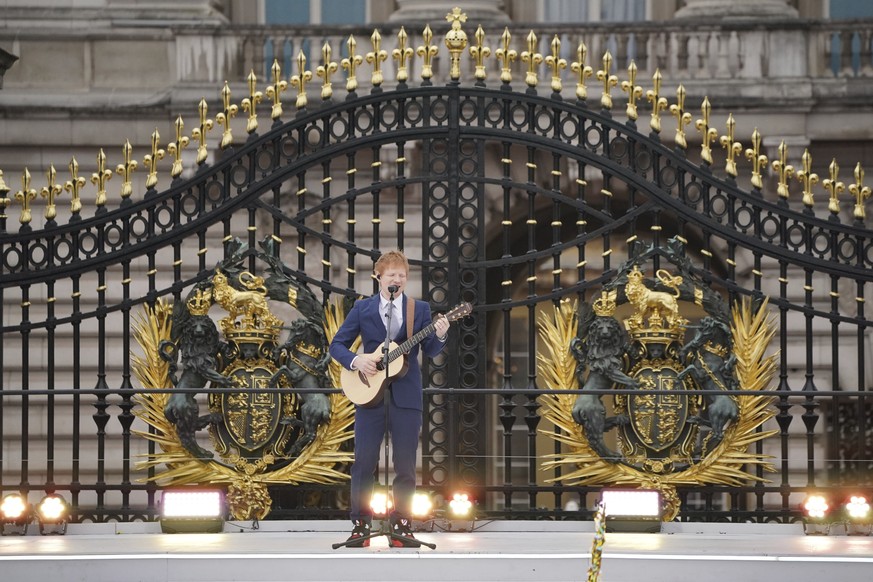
x: 461, y: 512
x: 422, y: 511
x: 816, y: 511
x: 53, y: 512
x: 192, y: 510
x: 632, y: 510
x: 381, y: 504
x: 15, y: 514
x: 859, y: 518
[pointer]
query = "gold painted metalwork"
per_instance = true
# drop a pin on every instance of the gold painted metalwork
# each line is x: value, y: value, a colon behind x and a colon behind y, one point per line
x: 734, y: 148
x: 608, y: 81
x: 199, y: 133
x: 50, y: 193
x: 456, y: 41
x: 376, y: 57
x: 556, y: 63
x: 126, y: 170
x: 4, y: 201
x: 24, y: 196
x: 683, y: 118
x: 351, y: 64
x: 659, y: 103
x: 784, y: 169
x: 274, y: 91
x: 402, y: 54
x: 732, y: 463
x: 480, y: 52
x: 151, y: 160
x: 582, y: 70
x: 708, y: 134
x: 808, y: 178
x: 860, y: 191
x: 633, y: 91
x: 223, y: 118
x: 533, y: 59
x: 99, y: 179
x: 427, y: 51
x: 175, y: 148
x: 834, y: 187
x: 759, y: 160
x: 250, y: 103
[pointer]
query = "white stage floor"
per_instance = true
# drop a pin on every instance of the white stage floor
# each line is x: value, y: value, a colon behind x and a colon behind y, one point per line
x: 499, y: 551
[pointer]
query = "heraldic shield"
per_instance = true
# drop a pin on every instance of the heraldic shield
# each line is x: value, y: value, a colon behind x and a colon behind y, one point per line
x: 262, y: 430
x: 685, y: 411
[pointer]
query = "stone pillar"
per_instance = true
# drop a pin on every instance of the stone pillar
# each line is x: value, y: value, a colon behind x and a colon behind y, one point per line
x: 433, y: 11
x: 736, y: 9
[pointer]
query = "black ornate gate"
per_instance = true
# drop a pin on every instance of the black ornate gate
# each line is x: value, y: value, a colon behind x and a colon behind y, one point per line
x: 510, y: 199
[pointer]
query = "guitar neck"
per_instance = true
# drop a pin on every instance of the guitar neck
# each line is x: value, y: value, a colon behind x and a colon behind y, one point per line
x: 407, y: 346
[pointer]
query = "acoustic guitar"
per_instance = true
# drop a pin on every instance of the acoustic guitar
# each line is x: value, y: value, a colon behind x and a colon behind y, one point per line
x: 366, y: 390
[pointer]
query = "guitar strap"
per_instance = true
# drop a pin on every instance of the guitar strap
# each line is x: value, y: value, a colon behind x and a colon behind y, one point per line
x: 410, y: 313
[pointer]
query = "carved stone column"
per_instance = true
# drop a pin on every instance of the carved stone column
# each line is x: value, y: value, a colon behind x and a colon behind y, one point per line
x: 736, y: 9
x: 477, y: 11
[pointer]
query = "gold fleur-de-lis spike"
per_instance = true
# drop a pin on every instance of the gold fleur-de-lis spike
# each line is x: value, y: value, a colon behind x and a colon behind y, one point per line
x: 4, y: 190
x: 402, y: 54
x: 300, y: 79
x: 376, y: 57
x: 759, y: 160
x: 351, y: 64
x: 556, y: 63
x: 151, y: 160
x: 126, y: 170
x: 456, y: 41
x: 683, y: 118
x: 609, y: 81
x: 860, y: 191
x: 506, y: 55
x: 50, y: 193
x: 99, y: 179
x: 175, y: 148
x: 274, y: 91
x: 659, y: 103
x: 808, y: 178
x: 784, y: 169
x: 582, y: 70
x: 24, y: 196
x: 633, y: 91
x: 834, y: 188
x: 427, y: 52
x: 250, y: 103
x: 325, y: 71
x: 223, y: 118
x: 533, y: 59
x: 734, y: 148
x: 199, y: 133
x: 480, y: 52
x: 74, y: 186
x: 708, y: 134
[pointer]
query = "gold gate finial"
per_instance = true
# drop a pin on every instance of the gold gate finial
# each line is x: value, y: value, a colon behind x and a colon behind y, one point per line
x: 402, y: 54
x: 427, y: 51
x: 250, y: 103
x: 24, y: 196
x: 659, y: 103
x: 74, y: 186
x: 126, y: 170
x: 734, y: 148
x: 707, y: 134
x: 861, y: 192
x: 633, y: 91
x: 99, y: 179
x: 506, y: 55
x: 151, y: 160
x: 479, y: 53
x: 199, y: 133
x: 834, y: 188
x: 176, y: 147
x: 609, y: 81
x: 556, y: 63
x: 376, y: 57
x: 582, y: 70
x: 325, y: 71
x: 784, y: 169
x: 808, y: 178
x: 274, y: 91
x: 50, y: 193
x: 300, y: 79
x: 223, y: 118
x: 533, y: 59
x: 758, y: 160
x: 351, y: 64
x: 683, y: 118
x: 456, y: 41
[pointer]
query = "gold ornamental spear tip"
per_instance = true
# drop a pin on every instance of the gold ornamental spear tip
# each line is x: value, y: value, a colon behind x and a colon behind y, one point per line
x: 480, y: 52
x: 582, y: 70
x: 506, y: 55
x: 249, y: 104
x: 99, y: 179
x: 125, y: 170
x: 351, y: 64
x: 556, y: 63
x: 223, y: 118
x: 274, y: 91
x: 734, y: 148
x: 151, y: 160
x: 74, y: 186
x: 50, y: 193
x: 325, y: 71
x: 175, y: 148
x: 427, y: 52
x: 834, y: 188
x: 402, y: 54
x: 24, y: 196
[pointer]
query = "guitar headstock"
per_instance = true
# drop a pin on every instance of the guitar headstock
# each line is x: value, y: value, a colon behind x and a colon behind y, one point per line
x: 459, y: 311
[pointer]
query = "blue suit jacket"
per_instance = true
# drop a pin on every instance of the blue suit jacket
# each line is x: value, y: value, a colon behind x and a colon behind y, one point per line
x: 365, y: 320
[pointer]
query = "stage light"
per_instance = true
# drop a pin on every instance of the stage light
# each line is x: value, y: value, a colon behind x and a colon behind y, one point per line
x: 859, y: 520
x: 53, y: 511
x: 422, y: 505
x: 817, y: 510
x: 632, y: 510
x: 15, y: 514
x: 381, y: 503
x: 460, y: 505
x: 192, y: 510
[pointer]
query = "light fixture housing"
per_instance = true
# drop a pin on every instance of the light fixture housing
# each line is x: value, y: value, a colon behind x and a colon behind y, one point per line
x: 632, y: 510
x: 52, y: 512
x: 460, y: 512
x: 381, y: 503
x: 15, y: 515
x: 192, y: 510
x: 816, y: 511
x: 859, y: 516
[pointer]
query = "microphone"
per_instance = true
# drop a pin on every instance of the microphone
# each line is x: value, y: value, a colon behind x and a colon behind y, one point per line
x: 392, y: 289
